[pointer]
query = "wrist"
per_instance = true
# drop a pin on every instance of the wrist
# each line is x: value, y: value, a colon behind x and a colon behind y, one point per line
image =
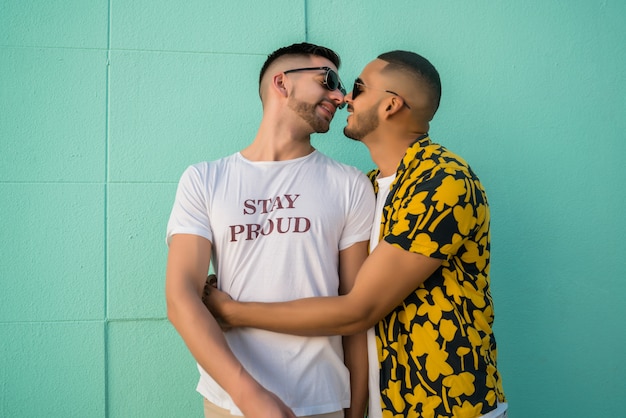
x: 230, y: 313
x: 247, y: 393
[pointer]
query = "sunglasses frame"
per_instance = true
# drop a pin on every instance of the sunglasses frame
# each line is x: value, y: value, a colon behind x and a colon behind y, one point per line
x: 356, y: 91
x: 328, y: 75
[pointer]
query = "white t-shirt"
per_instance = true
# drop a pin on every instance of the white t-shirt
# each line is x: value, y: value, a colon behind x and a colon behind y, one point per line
x: 276, y: 229
x: 374, y: 409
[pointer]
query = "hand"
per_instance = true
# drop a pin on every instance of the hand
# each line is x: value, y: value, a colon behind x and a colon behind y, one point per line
x: 255, y: 401
x: 214, y: 299
x: 268, y: 405
x: 210, y: 284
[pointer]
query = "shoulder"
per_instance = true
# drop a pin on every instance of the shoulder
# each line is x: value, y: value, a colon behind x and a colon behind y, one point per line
x: 205, y: 168
x: 337, y: 166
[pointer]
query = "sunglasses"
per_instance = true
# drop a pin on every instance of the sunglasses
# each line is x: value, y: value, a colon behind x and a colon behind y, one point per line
x: 331, y: 81
x: 357, y: 89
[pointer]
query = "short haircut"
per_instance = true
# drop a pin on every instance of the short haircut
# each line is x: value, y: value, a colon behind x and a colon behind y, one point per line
x: 420, y: 67
x: 303, y: 49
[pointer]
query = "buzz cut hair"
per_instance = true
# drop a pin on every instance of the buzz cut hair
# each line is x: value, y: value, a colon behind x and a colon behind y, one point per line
x: 302, y: 49
x: 419, y: 67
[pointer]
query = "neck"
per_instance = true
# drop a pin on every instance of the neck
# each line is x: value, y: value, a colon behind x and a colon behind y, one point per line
x: 278, y: 140
x: 387, y: 152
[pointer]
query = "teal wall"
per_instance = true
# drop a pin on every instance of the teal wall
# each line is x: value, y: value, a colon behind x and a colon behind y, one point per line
x: 103, y: 103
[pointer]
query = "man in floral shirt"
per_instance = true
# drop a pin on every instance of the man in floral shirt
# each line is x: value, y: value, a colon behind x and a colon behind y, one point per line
x: 425, y: 286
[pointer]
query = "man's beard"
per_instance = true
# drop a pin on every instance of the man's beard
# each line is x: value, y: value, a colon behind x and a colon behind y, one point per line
x: 308, y: 113
x: 362, y: 124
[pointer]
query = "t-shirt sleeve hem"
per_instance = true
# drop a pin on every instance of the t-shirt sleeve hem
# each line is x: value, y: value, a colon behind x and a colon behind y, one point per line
x: 347, y: 242
x: 190, y: 231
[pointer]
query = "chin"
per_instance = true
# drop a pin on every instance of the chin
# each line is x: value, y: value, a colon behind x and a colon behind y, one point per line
x: 349, y: 134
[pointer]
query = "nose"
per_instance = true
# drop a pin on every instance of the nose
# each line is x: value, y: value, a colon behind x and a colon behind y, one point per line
x: 338, y: 98
x: 347, y: 99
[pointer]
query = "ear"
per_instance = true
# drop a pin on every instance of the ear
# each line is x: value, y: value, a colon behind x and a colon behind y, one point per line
x: 394, y: 105
x: 279, y: 84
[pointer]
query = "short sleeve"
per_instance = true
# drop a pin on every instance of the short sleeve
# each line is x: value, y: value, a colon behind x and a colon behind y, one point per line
x: 434, y: 216
x: 360, y: 212
x: 190, y: 214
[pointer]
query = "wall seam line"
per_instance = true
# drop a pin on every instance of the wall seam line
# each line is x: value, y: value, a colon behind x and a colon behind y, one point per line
x: 306, y: 22
x: 106, y: 213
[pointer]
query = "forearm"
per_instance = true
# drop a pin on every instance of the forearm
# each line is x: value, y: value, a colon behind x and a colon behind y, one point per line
x: 317, y: 316
x: 205, y: 340
x: 355, y: 358
x: 207, y: 344
x: 188, y: 262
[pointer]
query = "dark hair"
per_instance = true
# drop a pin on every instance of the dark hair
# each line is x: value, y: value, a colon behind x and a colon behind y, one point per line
x: 303, y: 48
x: 418, y: 66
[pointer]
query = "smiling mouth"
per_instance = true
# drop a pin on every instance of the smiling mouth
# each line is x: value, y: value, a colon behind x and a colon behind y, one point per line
x: 326, y: 109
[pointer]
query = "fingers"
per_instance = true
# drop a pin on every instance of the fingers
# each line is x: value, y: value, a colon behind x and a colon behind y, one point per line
x: 212, y: 280
x: 211, y: 283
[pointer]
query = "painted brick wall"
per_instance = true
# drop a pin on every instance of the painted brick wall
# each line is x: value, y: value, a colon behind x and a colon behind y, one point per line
x: 103, y: 103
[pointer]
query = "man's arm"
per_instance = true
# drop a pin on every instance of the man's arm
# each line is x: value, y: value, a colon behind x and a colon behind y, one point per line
x: 386, y: 278
x: 187, y: 265
x: 354, y: 346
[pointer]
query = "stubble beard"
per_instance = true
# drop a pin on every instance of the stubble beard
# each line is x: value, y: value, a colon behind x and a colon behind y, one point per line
x: 362, y: 124
x: 308, y: 113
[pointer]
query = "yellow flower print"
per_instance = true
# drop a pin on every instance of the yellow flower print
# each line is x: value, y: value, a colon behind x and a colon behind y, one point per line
x: 482, y: 215
x: 436, y: 357
x: 427, y: 165
x: 406, y: 316
x: 473, y: 255
x: 412, y: 152
x: 467, y: 410
x: 447, y: 329
x: 426, y: 337
x: 393, y: 393
x: 475, y: 295
x: 491, y: 376
x: 482, y: 234
x: 428, y: 403
x: 462, y: 351
x: 436, y: 364
x: 453, y: 247
x: 448, y: 193
x: 476, y: 341
x: 483, y: 319
x: 451, y: 285
x: 460, y: 384
x: 422, y: 244
x: 433, y: 304
x: 465, y: 219
x: 427, y: 152
x: 417, y: 205
x: 481, y: 282
x: 474, y: 337
x: 391, y: 319
x: 491, y: 398
x: 402, y: 225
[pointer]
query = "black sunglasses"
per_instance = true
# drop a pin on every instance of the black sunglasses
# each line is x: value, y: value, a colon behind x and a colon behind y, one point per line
x: 331, y: 81
x: 357, y: 89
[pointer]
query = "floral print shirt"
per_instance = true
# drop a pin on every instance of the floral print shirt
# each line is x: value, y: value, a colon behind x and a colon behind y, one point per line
x: 437, y: 350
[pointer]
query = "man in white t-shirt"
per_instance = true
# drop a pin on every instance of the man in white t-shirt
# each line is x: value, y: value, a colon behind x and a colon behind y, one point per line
x: 279, y: 221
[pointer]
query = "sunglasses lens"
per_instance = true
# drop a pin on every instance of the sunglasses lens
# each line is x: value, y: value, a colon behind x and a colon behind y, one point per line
x: 356, y: 90
x: 331, y: 80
